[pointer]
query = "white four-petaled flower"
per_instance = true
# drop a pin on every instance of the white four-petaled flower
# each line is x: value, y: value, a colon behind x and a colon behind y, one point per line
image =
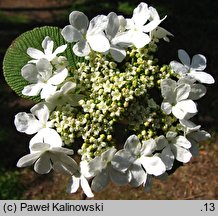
x: 44, y: 80
x: 46, y: 153
x: 48, y: 46
x: 176, y: 99
x: 173, y: 147
x: 86, y: 35
x: 31, y: 123
x: 138, y: 158
x: 144, y: 20
x: 193, y: 69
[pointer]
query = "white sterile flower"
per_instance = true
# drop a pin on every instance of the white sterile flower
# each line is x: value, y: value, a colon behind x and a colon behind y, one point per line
x: 160, y: 33
x: 176, y: 99
x: 44, y: 81
x: 86, y: 35
x: 137, y: 27
x: 136, y: 155
x: 46, y: 152
x: 66, y: 94
x: 193, y: 69
x: 102, y: 169
x: 48, y: 46
x: 78, y: 179
x: 173, y: 147
x: 33, y: 122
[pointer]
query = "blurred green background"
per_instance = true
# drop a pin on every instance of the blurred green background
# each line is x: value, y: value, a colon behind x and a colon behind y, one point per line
x: 194, y: 25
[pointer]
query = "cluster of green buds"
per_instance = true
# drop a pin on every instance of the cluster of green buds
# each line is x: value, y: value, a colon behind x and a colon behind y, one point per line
x: 116, y: 93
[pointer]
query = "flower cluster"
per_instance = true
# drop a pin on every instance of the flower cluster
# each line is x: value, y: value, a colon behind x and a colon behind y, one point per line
x: 127, y: 117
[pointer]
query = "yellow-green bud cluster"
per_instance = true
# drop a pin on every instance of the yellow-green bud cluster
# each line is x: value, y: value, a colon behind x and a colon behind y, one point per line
x: 114, y: 92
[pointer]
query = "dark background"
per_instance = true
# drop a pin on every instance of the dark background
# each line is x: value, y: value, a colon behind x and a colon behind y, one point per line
x: 194, y: 24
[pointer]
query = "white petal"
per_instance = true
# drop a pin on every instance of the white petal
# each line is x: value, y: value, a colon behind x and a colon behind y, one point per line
x: 60, y: 167
x: 167, y: 157
x: 119, y: 178
x: 98, y: 43
x: 73, y: 185
x: 81, y: 48
x: 28, y: 160
x: 178, y: 68
x: 60, y: 49
x: 190, y: 126
x: 100, y: 181
x: 188, y: 106
x: 197, y: 91
x: 44, y: 67
x: 29, y: 73
x: 59, y: 77
x: 138, y: 175
x: 141, y: 14
x: 133, y: 145
x: 95, y: 166
x: 85, y: 168
x: 151, y: 25
x: 68, y: 86
x: 63, y: 150
x: 79, y: 20
x: 122, y: 160
x: 166, y: 107
x: 41, y: 111
x: 161, y: 142
x: 63, y: 163
x: 45, y: 42
x: 182, y: 92
x: 108, y: 155
x: 202, y: 77
x: 71, y: 34
x: 194, y: 150
x: 200, y: 135
x: 160, y: 32
x: 140, y: 39
x: 49, y: 48
x: 97, y: 25
x: 123, y: 39
x: 33, y: 89
x: 35, y: 53
x: 27, y: 123
x: 113, y: 25
x: 167, y: 89
x: 39, y: 147
x: 47, y: 91
x: 43, y: 164
x: 184, y: 57
x: 47, y: 135
x: 147, y: 183
x: 86, y: 187
x: 182, y: 108
x: 117, y: 53
x: 182, y: 141
x: 181, y: 154
x: 199, y: 62
x: 153, y: 165
x: 178, y: 112
x: 148, y: 147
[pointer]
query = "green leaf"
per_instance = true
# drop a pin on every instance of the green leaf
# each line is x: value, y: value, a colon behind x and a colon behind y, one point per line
x: 16, y: 56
